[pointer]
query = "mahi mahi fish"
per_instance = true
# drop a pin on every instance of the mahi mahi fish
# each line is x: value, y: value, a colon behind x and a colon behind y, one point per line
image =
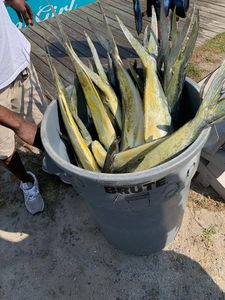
x: 157, y: 118
x: 211, y: 110
x: 132, y: 108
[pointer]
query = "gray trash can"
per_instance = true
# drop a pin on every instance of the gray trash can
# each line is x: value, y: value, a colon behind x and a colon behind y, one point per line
x: 141, y: 212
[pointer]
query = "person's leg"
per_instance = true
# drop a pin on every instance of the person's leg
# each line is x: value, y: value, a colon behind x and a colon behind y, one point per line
x: 24, y: 98
x: 159, y: 31
x: 29, y: 184
x: 157, y: 6
x: 10, y: 158
x: 14, y: 164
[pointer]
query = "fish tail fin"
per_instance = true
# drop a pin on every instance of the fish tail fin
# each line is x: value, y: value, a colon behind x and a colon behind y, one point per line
x: 141, y: 51
x: 50, y: 29
x: 64, y: 36
x: 109, y: 32
x: 213, y: 104
x: 103, y: 41
x: 63, y: 101
x: 110, y: 44
x: 110, y: 156
x: 98, y: 64
x: 53, y: 70
x: 145, y: 38
x: 153, y: 40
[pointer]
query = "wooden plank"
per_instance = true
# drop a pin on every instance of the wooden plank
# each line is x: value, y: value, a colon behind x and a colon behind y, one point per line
x: 206, y: 30
x: 212, y: 139
x: 220, y: 127
x: 56, y: 49
x: 111, y: 11
x: 214, y: 12
x: 123, y: 5
x: 218, y: 158
x: 127, y: 7
x: 214, y: 2
x: 86, y: 27
x: 210, y: 26
x: 81, y: 50
x: 39, y: 50
x: 125, y: 11
x: 125, y: 50
x: 110, y: 16
x: 216, y: 138
x: 118, y: 35
x: 211, y: 179
x: 216, y: 9
x: 214, y: 23
x: 47, y: 87
x: 205, y: 23
x: 79, y: 43
x: 76, y: 37
x: 201, y: 178
x: 83, y: 19
x: 73, y: 33
x: 218, y: 173
x: 207, y: 18
x: 75, y: 23
x: 44, y: 69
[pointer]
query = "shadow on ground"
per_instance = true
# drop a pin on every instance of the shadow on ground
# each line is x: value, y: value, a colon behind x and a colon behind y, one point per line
x: 62, y: 254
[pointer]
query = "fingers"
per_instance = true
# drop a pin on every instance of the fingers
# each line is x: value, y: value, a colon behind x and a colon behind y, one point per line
x: 23, y: 11
x: 26, y: 18
x: 19, y: 16
x: 29, y: 14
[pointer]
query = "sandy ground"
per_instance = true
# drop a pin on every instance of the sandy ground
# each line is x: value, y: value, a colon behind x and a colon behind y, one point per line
x: 61, y: 253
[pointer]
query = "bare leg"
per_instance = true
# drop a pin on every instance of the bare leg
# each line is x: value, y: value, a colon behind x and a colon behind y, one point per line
x: 159, y: 28
x: 15, y: 165
x: 30, y: 133
x: 159, y: 31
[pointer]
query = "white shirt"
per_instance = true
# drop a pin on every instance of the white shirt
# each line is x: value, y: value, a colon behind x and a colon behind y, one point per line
x: 14, y: 49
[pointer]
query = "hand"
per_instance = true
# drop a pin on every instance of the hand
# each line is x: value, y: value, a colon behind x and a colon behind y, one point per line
x: 23, y: 11
x: 30, y: 133
x: 27, y: 131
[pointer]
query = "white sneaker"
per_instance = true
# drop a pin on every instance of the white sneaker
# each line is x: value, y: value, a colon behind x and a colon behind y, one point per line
x: 33, y: 200
x: 63, y: 176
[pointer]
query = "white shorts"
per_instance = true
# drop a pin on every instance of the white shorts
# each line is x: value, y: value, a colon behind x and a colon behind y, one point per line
x: 24, y: 97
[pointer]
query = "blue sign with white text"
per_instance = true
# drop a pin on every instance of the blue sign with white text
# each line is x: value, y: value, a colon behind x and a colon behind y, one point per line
x: 43, y: 10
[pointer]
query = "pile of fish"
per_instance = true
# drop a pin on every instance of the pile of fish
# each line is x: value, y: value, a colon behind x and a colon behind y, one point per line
x: 136, y: 112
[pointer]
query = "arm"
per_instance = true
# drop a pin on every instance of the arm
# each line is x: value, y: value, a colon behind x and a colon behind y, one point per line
x: 23, y: 10
x: 27, y: 131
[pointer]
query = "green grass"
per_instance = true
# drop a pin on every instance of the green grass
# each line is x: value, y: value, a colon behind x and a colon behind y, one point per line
x: 193, y: 71
x: 216, y: 44
x: 208, y: 52
x: 209, y: 58
x: 208, y: 233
